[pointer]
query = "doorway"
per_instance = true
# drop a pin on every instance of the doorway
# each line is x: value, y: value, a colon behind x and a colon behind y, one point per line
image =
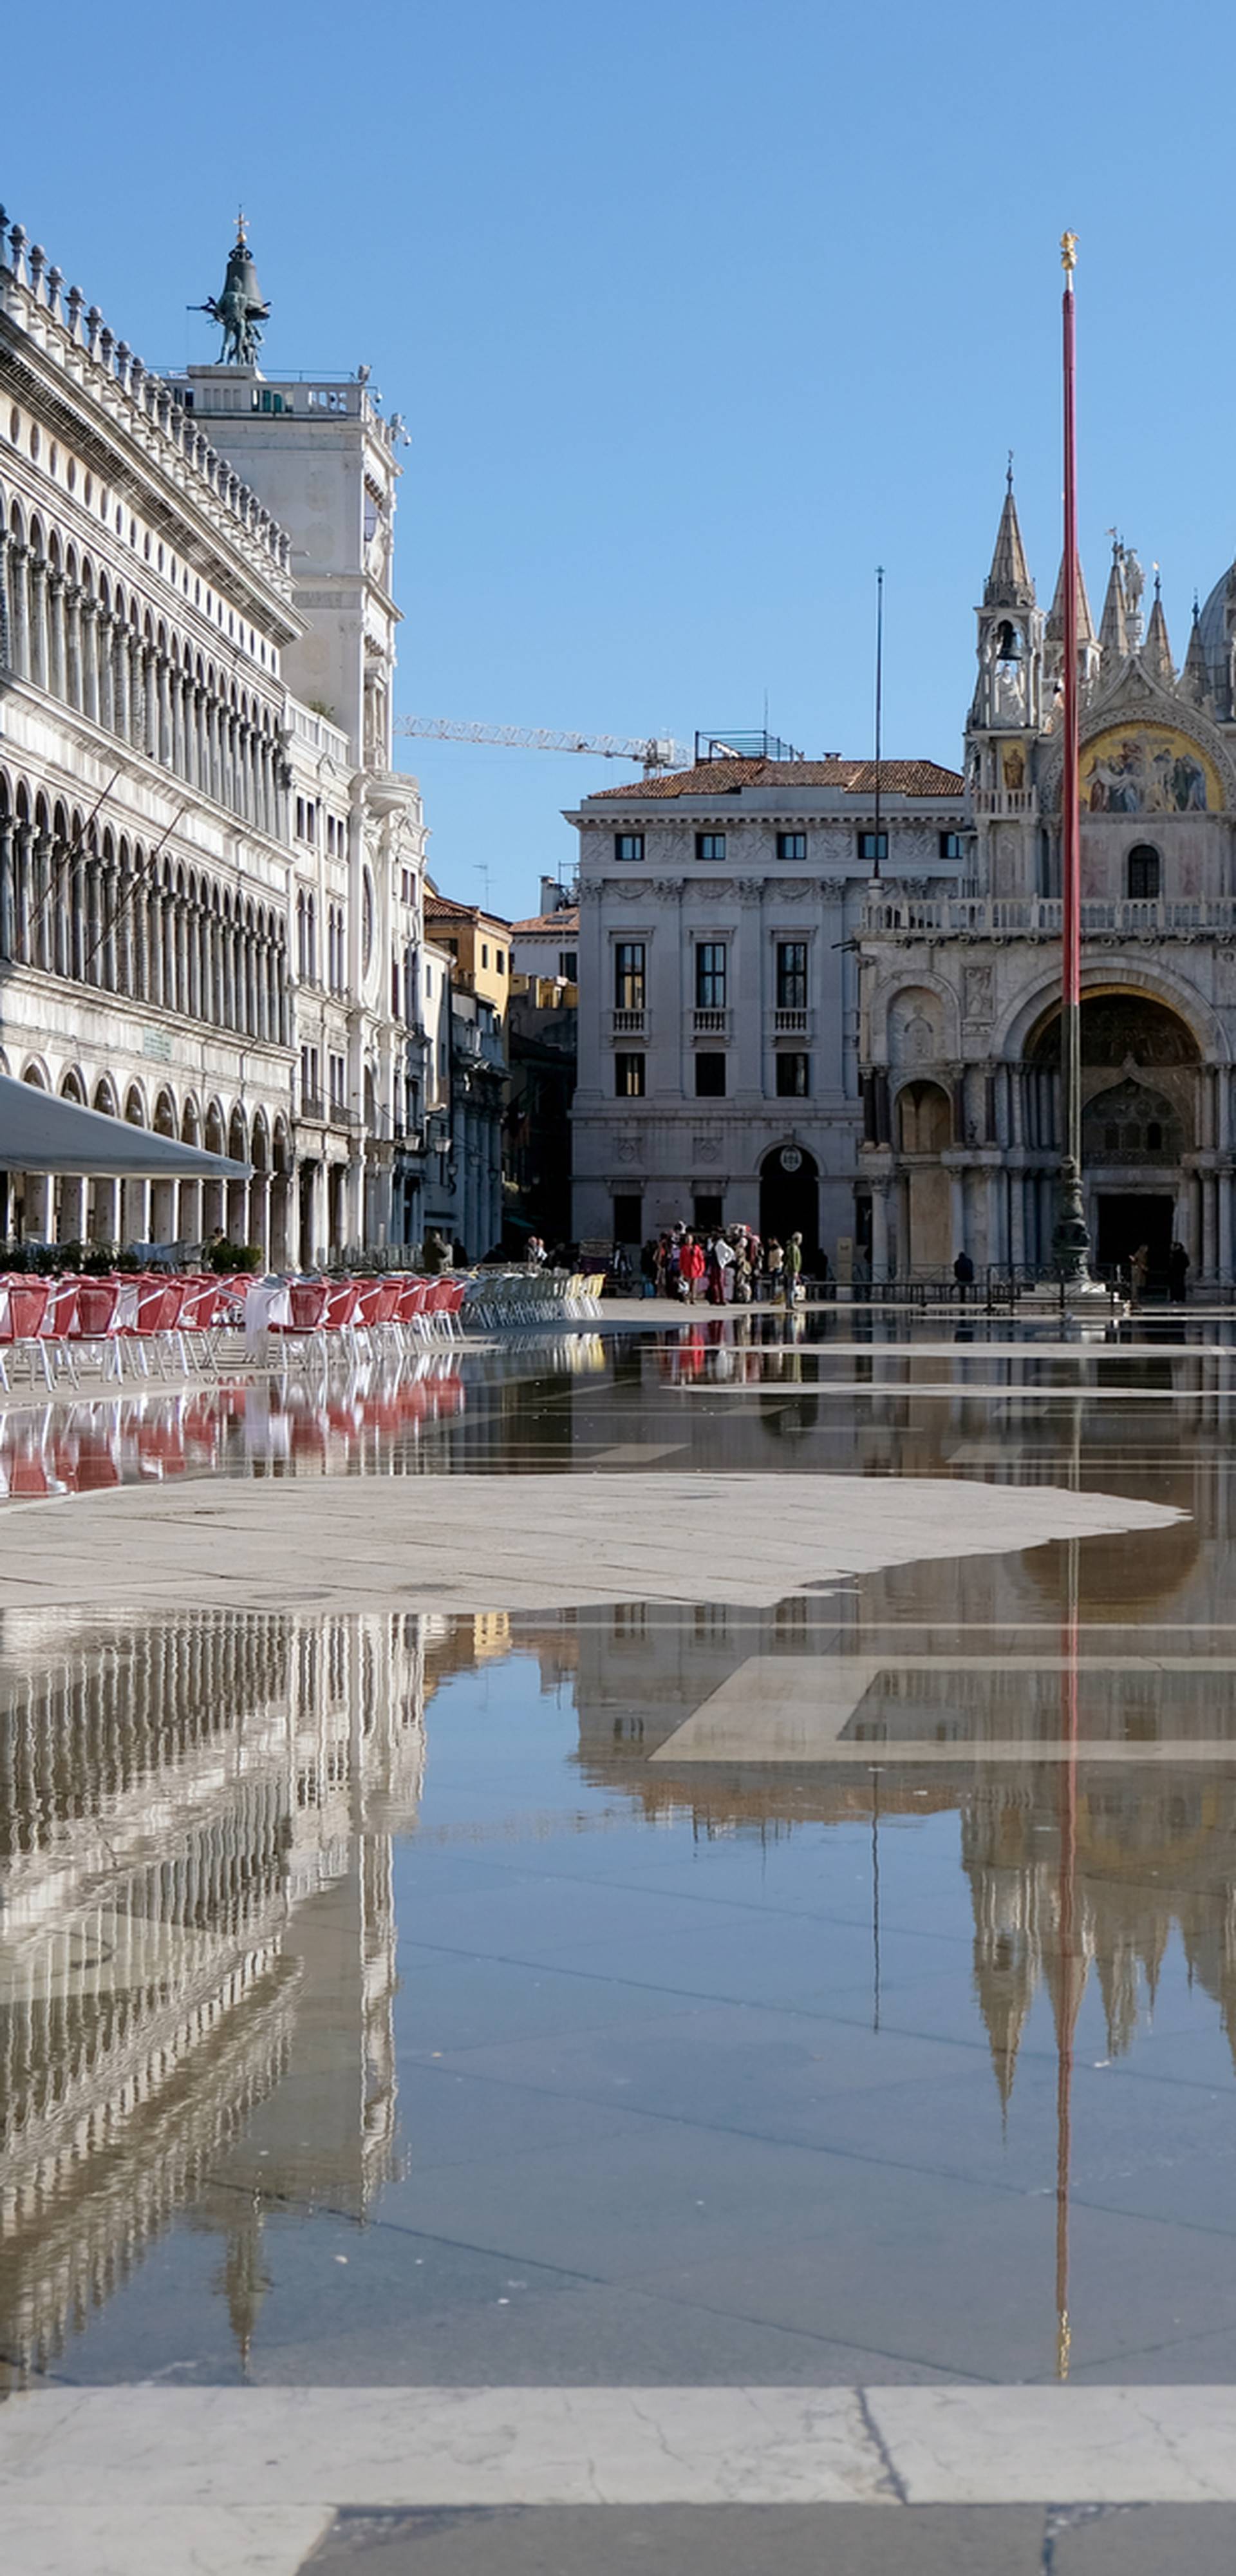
x: 1129, y: 1218
x: 790, y: 1198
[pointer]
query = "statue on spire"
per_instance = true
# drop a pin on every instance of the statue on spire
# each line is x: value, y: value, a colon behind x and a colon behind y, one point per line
x: 240, y: 307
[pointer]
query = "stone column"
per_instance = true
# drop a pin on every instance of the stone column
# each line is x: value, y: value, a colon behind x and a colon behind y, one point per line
x: 879, y: 1226
x: 104, y: 1212
x: 35, y: 1206
x: 1224, y: 1186
x: 259, y: 1215
x: 55, y: 634
x: 957, y: 1210
x: 134, y: 1212
x: 89, y: 635
x: 163, y: 743
x: 163, y: 1212
x: 354, y: 1200
x: 1017, y: 1217
x: 7, y: 924
x: 995, y: 1211
x: 1209, y: 1231
x: 19, y: 608
x: 38, y: 621
x: 121, y: 705
x: 75, y: 600
x: 70, y: 1214
x: 189, y: 1213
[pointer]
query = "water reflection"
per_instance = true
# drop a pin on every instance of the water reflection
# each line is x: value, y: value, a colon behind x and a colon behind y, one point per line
x: 206, y: 1821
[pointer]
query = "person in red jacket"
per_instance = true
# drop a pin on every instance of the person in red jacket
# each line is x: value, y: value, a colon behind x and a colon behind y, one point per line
x: 691, y: 1265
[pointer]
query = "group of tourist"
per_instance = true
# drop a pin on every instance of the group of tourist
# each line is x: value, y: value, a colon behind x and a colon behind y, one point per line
x: 723, y: 1266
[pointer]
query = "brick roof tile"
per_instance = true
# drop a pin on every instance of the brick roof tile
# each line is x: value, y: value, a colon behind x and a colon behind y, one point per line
x: 853, y: 777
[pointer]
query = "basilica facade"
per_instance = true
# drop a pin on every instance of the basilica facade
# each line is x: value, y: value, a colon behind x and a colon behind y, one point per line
x: 959, y: 1011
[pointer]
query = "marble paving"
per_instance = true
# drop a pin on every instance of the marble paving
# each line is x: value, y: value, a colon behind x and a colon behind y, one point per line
x: 523, y: 1542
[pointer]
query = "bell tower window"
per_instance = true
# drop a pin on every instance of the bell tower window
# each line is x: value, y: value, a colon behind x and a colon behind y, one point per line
x: 1145, y: 873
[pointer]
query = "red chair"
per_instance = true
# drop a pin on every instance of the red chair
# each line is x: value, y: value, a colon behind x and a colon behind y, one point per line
x: 411, y: 1309
x: 22, y: 1309
x: 201, y: 1312
x: 307, y: 1299
x: 94, y: 1321
x: 443, y: 1302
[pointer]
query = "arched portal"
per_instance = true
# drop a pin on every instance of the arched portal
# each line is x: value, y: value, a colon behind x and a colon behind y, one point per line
x: 1143, y: 1115
x: 924, y: 1133
x: 790, y: 1199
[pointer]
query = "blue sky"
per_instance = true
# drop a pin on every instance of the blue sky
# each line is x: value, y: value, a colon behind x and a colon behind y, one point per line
x: 696, y: 311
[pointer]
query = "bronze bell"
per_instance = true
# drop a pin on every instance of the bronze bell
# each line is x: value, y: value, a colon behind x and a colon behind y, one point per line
x: 242, y: 278
x: 1008, y: 647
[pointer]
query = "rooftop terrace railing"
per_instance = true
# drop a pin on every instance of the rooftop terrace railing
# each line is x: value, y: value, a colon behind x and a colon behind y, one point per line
x: 908, y: 916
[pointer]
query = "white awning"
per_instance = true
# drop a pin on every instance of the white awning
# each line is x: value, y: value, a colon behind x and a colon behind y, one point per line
x: 41, y: 1134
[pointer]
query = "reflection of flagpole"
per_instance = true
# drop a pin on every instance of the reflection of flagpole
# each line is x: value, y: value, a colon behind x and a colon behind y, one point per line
x: 875, y: 1898
x: 1067, y: 1940
x: 1069, y: 1991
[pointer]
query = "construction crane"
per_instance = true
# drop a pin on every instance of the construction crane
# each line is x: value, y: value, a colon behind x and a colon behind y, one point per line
x: 656, y: 752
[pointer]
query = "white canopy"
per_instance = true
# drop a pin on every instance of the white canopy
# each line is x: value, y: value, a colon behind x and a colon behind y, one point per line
x: 41, y: 1134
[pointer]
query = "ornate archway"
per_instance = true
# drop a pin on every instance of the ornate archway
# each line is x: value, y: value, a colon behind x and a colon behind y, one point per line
x: 790, y: 1198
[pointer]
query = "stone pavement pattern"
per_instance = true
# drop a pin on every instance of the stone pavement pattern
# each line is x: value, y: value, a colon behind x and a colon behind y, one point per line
x: 521, y: 1542
x: 446, y: 2480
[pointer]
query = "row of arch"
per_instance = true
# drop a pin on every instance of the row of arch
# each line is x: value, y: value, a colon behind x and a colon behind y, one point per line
x: 72, y: 629
x: 96, y: 906
x: 260, y: 1210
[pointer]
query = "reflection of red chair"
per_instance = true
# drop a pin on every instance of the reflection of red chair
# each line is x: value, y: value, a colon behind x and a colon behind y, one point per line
x: 25, y: 1461
x: 97, y: 1468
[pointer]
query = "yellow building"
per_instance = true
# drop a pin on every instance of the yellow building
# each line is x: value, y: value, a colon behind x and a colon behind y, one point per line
x: 480, y: 944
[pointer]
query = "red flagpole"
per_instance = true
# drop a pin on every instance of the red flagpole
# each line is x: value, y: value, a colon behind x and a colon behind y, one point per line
x: 1071, y: 1243
x: 1070, y: 814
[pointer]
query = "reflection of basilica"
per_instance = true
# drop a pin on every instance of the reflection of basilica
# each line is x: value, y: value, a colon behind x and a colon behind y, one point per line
x: 196, y: 1936
x: 977, y: 1728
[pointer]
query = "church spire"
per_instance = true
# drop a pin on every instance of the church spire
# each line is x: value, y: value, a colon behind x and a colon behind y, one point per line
x: 1195, y: 678
x: 1055, y: 615
x: 1156, y: 651
x: 1008, y: 583
x: 1114, y: 624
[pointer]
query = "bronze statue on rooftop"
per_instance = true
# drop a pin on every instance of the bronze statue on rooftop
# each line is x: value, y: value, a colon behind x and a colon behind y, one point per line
x: 240, y: 307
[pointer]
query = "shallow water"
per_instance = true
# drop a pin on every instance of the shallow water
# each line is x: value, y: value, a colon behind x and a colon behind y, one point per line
x: 750, y: 1394
x: 647, y: 1995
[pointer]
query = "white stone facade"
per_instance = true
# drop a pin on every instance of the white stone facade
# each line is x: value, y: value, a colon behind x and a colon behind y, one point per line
x: 719, y: 911
x: 210, y: 889
x: 960, y: 987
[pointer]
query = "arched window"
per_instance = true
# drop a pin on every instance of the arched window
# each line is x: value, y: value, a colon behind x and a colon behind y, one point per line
x: 1145, y: 873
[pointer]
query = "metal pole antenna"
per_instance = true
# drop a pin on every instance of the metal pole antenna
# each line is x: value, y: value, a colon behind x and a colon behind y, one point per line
x: 879, y: 711
x: 1071, y: 1242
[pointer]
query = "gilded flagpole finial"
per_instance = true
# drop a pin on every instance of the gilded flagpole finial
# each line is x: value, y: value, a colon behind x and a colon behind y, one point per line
x: 1068, y: 252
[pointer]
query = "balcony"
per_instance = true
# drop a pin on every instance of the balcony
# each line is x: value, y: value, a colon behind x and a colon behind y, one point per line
x: 1039, y: 917
x: 627, y: 1024
x: 791, y: 1024
x: 711, y: 1024
x: 312, y: 1110
x: 1001, y: 802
